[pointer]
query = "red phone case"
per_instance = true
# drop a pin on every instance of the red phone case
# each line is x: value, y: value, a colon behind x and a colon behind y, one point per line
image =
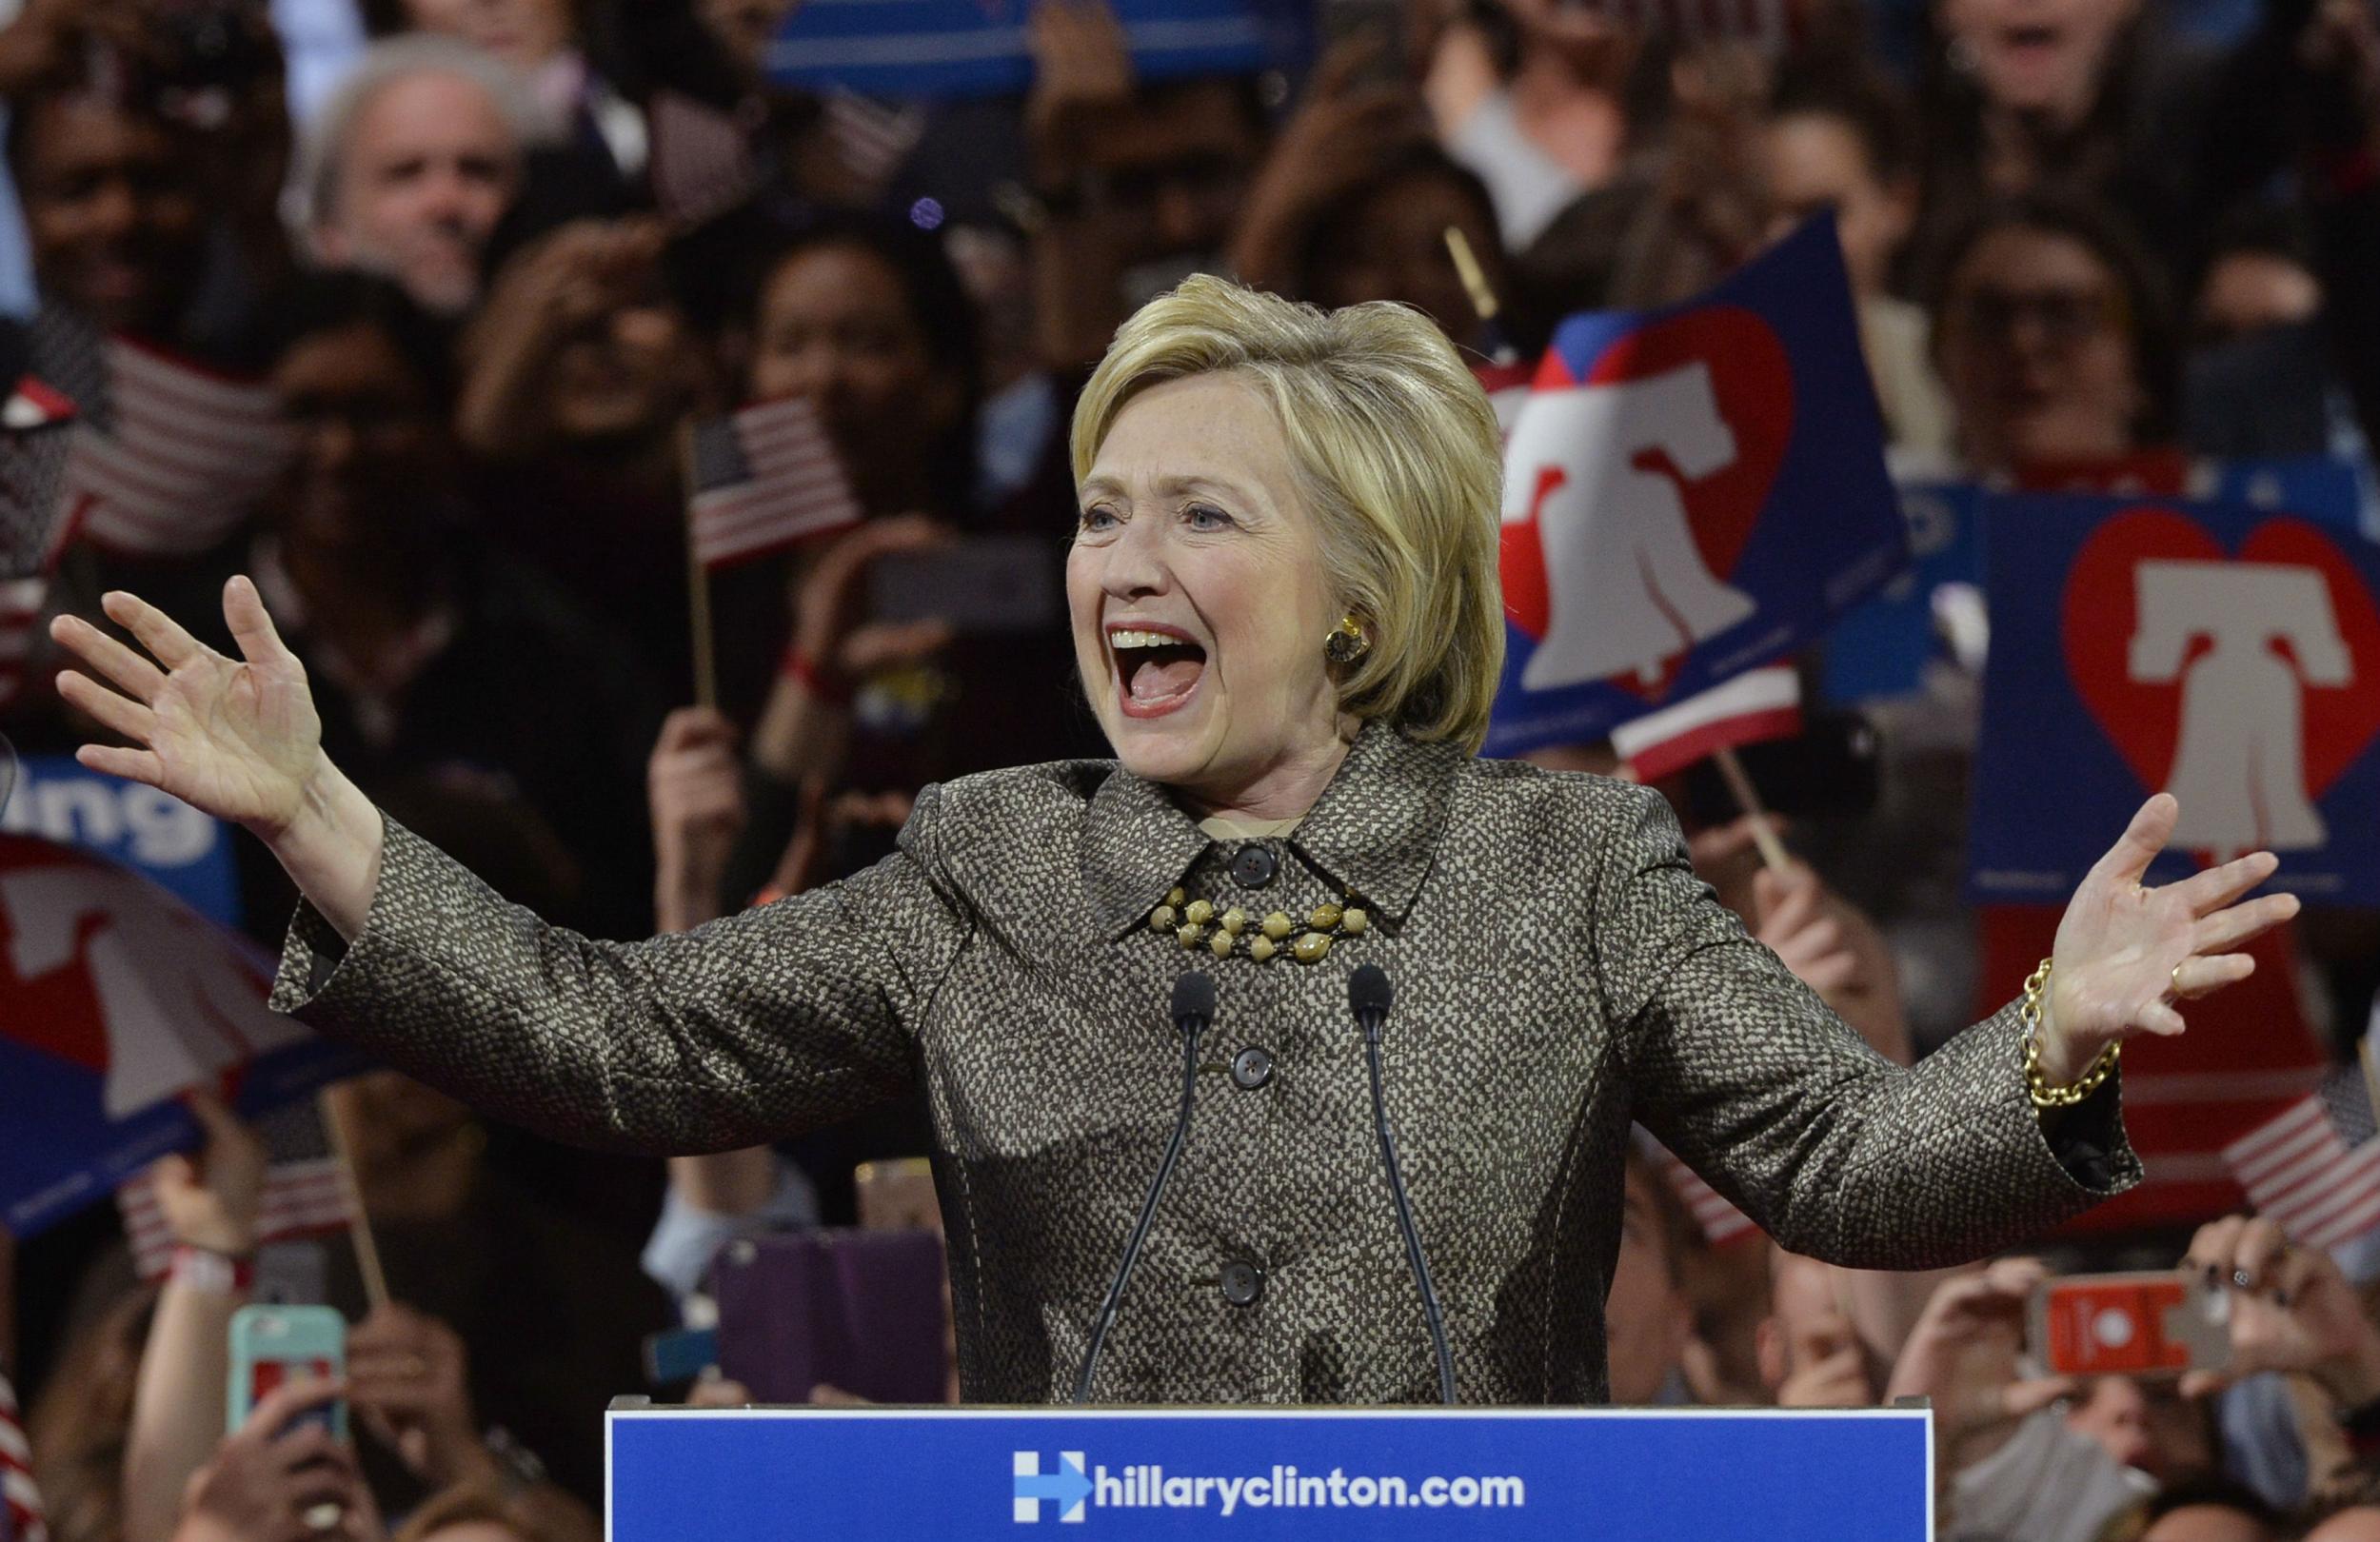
x: 2103, y: 1328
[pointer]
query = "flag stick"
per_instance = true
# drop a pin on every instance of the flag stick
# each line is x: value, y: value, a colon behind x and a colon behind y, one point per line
x: 1474, y: 277
x: 1748, y: 799
x: 698, y: 581
x: 359, y: 1224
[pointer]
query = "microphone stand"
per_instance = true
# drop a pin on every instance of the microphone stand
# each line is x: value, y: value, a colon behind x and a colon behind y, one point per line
x: 1370, y: 993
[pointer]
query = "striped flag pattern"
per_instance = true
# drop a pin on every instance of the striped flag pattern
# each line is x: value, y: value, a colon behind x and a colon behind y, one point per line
x: 764, y: 479
x: 1720, y: 1221
x: 305, y: 1192
x: 186, y: 455
x: 871, y: 140
x: 20, y: 1502
x: 2316, y: 1168
x: 1757, y: 705
x: 21, y: 602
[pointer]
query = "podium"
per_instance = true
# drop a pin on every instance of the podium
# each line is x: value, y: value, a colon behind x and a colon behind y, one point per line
x: 875, y: 1474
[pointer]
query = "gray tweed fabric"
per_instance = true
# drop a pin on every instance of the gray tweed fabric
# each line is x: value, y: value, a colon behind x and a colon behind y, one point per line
x: 1559, y: 970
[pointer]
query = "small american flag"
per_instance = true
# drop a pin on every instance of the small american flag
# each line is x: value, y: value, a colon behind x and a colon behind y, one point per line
x: 764, y: 479
x: 186, y: 455
x: 305, y: 1195
x: 1757, y: 705
x: 1720, y: 1221
x: 20, y: 1502
x: 701, y: 161
x: 2316, y: 1168
x: 870, y: 139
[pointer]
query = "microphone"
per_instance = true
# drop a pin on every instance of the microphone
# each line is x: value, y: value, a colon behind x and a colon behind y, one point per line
x: 1369, y: 995
x: 1193, y: 1009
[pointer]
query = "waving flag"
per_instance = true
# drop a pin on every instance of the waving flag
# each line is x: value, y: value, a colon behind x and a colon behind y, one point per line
x: 35, y: 422
x: 763, y: 479
x: 1690, y: 493
x: 305, y: 1192
x: 2316, y: 1168
x: 186, y: 455
x: 114, y: 999
x: 2229, y: 656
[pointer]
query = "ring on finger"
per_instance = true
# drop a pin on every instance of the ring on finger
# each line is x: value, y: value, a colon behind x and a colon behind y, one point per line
x: 2176, y: 978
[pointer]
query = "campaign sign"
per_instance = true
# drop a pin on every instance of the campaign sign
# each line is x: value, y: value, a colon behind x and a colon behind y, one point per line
x: 115, y: 997
x: 1689, y: 493
x: 2229, y: 656
x: 153, y: 832
x: 902, y: 48
x: 1883, y: 647
x: 905, y: 1474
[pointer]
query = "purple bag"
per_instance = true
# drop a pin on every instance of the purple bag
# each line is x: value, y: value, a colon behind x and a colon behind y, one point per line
x: 862, y: 1311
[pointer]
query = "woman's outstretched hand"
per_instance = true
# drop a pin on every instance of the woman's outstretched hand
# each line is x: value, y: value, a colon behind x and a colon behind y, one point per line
x: 235, y: 738
x: 2126, y: 954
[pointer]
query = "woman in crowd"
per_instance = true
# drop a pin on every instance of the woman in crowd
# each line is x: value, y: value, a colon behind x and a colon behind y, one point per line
x: 1282, y: 598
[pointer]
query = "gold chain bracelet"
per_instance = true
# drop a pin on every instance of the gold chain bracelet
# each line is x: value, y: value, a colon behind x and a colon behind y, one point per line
x: 2045, y: 1096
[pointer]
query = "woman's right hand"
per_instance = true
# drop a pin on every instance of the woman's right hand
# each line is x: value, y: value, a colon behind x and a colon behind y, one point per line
x: 235, y: 738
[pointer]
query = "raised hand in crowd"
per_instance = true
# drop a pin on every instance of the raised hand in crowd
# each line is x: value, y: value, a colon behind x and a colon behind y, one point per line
x: 2291, y: 1310
x: 590, y: 277
x: 407, y: 1387
x: 235, y: 738
x: 210, y: 1205
x: 1344, y: 130
x: 1811, y: 1355
x: 694, y: 783
x: 836, y: 647
x: 1964, y: 1356
x: 282, y: 1478
x: 1081, y: 68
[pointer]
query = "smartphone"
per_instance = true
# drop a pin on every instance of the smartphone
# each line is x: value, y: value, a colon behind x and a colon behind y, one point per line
x: 984, y: 586
x: 275, y: 1344
x: 2135, y: 1325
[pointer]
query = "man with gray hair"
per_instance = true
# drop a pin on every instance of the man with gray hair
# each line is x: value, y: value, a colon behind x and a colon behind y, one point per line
x: 411, y: 163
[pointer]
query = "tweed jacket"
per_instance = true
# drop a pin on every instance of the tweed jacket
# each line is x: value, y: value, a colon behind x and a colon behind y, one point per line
x: 1559, y: 968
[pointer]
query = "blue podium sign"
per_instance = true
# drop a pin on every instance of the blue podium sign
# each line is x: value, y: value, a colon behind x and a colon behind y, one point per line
x: 861, y: 1474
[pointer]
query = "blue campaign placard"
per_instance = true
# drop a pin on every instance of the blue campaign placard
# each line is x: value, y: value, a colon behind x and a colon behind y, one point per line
x: 920, y: 49
x: 1881, y: 648
x: 157, y: 836
x: 2230, y: 656
x: 1688, y: 493
x: 885, y: 1475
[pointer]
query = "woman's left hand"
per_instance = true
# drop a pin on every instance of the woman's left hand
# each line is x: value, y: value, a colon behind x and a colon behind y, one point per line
x: 2125, y: 952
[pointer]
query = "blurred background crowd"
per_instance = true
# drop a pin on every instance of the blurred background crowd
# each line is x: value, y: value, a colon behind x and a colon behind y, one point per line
x: 470, y: 266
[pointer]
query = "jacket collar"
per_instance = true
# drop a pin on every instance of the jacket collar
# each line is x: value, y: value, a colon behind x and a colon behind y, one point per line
x: 1375, y: 831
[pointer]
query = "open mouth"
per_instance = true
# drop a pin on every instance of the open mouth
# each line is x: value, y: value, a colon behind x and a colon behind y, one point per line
x: 1158, y: 669
x: 2029, y: 40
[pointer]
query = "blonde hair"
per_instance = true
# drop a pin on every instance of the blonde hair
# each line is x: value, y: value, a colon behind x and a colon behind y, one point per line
x: 1397, y: 453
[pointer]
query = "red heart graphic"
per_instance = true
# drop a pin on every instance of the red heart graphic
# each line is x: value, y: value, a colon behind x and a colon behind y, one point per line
x: 1752, y: 384
x: 2142, y: 719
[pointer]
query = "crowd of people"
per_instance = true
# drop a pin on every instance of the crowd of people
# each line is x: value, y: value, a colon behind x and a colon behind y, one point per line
x: 458, y: 274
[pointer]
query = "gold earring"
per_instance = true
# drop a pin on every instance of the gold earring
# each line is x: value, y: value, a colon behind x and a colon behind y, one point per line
x: 1345, y: 643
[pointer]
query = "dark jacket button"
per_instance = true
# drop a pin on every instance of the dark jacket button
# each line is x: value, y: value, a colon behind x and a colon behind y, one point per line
x: 1251, y: 1068
x: 1253, y: 866
x: 1243, y: 1283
